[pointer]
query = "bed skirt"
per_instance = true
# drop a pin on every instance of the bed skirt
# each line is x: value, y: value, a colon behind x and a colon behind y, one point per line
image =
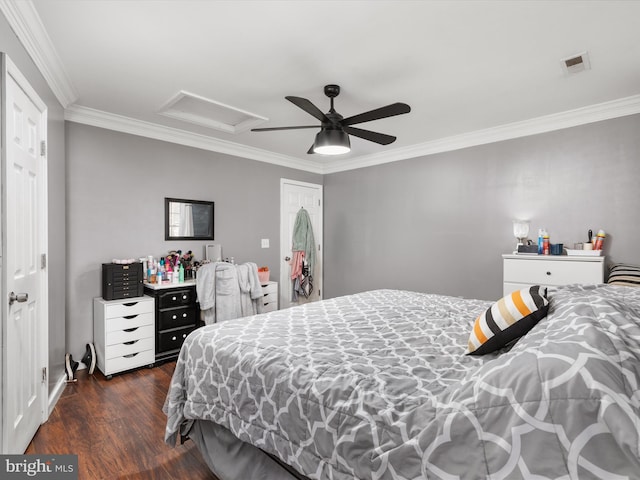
x: 229, y: 458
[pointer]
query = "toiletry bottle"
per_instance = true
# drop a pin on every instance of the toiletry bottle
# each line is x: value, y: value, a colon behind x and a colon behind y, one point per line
x: 181, y: 273
x: 143, y: 261
x: 545, y: 244
x: 599, y: 240
x: 541, y: 233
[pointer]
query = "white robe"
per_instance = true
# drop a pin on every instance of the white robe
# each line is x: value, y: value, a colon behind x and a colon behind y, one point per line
x: 227, y: 291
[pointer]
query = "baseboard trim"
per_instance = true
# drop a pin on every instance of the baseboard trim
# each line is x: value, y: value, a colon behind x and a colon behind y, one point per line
x: 55, y: 394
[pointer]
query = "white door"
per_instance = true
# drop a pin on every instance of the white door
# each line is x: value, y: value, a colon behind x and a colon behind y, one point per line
x: 25, y: 324
x: 293, y: 196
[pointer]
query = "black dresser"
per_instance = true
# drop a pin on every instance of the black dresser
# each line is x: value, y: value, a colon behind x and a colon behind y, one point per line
x: 176, y: 316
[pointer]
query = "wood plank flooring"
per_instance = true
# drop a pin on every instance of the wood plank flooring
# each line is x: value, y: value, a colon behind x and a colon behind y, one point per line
x: 116, y: 427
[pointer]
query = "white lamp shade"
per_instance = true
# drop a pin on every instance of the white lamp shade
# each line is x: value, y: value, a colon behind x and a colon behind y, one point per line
x: 520, y: 228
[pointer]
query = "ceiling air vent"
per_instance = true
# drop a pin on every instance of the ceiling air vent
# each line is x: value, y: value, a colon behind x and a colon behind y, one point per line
x: 576, y: 63
x: 202, y: 111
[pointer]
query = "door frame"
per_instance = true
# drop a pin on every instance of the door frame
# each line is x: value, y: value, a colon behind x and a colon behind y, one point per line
x: 9, y: 69
x: 284, y: 276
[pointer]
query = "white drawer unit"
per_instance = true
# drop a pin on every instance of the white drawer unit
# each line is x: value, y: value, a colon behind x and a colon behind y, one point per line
x: 270, y: 291
x: 521, y: 271
x: 123, y: 334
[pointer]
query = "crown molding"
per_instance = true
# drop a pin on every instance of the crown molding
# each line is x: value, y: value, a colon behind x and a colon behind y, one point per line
x: 26, y: 24
x: 120, y: 123
x: 557, y: 121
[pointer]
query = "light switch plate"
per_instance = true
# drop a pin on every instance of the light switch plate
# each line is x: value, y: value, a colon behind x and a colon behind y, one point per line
x: 265, y: 243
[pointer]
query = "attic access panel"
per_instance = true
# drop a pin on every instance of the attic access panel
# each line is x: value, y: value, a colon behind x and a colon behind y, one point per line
x: 198, y: 110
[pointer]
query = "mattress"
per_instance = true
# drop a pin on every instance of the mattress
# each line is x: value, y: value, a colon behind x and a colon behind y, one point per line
x: 377, y: 385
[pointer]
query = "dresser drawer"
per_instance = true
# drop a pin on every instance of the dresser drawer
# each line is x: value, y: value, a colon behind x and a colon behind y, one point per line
x: 176, y: 298
x: 177, y: 317
x: 127, y: 308
x: 270, y: 298
x: 271, y: 287
x: 133, y: 360
x: 129, y: 348
x: 551, y: 272
x: 130, y: 321
x: 130, y: 334
x: 269, y: 307
x: 173, y: 339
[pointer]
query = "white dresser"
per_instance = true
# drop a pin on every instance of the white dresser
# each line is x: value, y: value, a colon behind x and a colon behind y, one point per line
x: 521, y: 271
x: 270, y: 290
x: 123, y: 334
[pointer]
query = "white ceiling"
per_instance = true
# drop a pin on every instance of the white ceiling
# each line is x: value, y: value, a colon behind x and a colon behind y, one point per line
x: 472, y: 71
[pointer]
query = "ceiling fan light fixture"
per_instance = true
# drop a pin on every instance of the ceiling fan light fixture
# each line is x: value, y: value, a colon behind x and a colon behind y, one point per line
x: 332, y: 142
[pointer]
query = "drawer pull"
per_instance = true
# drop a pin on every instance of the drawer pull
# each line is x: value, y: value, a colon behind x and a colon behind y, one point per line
x: 129, y: 330
x: 174, y: 298
x: 184, y: 335
x: 548, y: 273
x: 184, y: 297
x: 174, y: 338
x: 131, y: 355
x: 131, y: 342
x: 129, y: 317
x: 131, y: 304
x: 184, y: 315
x: 174, y: 317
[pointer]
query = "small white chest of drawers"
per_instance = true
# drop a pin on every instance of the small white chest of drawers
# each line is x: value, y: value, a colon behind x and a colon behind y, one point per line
x: 123, y: 334
x: 521, y: 271
x: 270, y: 291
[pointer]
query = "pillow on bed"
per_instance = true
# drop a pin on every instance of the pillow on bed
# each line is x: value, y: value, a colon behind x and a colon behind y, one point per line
x: 508, y: 319
x: 624, y: 274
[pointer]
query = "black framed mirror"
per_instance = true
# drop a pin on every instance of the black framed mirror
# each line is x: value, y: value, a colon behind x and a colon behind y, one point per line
x: 188, y: 219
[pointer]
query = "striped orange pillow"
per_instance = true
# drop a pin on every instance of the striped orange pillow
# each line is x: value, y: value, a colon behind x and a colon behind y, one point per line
x: 508, y: 319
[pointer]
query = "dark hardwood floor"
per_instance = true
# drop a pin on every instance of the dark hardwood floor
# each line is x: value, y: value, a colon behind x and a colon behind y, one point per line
x: 116, y: 427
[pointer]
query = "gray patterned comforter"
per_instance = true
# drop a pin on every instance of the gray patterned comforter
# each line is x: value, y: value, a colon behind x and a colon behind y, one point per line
x: 376, y: 386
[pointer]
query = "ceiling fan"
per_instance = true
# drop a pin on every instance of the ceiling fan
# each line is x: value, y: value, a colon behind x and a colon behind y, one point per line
x: 333, y: 138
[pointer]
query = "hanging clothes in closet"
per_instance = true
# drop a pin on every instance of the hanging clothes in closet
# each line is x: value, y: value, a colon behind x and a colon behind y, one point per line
x: 303, y: 247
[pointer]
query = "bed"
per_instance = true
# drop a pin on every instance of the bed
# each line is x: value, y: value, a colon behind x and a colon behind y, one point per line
x: 377, y: 385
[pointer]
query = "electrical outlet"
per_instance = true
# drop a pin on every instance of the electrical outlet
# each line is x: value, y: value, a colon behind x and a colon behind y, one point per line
x: 265, y: 243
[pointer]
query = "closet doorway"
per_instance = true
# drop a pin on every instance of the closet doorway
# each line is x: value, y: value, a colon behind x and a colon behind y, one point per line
x: 295, y: 195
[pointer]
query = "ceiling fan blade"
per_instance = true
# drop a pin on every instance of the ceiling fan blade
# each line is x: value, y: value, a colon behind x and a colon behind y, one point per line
x: 308, y: 107
x: 382, y: 112
x: 376, y: 137
x: 283, y: 128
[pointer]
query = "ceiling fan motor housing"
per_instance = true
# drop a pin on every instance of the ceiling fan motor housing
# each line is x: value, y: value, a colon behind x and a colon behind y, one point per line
x: 332, y: 91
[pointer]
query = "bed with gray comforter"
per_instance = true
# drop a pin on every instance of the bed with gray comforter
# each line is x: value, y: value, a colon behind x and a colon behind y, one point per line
x: 377, y: 386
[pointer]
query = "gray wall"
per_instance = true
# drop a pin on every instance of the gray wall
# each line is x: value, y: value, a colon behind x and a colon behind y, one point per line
x: 116, y: 185
x: 10, y: 45
x: 440, y: 223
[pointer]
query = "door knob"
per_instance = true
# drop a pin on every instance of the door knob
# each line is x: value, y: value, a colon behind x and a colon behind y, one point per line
x: 286, y: 259
x: 19, y: 297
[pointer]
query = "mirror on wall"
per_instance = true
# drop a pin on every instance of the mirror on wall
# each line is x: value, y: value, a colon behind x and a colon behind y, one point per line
x: 188, y: 219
